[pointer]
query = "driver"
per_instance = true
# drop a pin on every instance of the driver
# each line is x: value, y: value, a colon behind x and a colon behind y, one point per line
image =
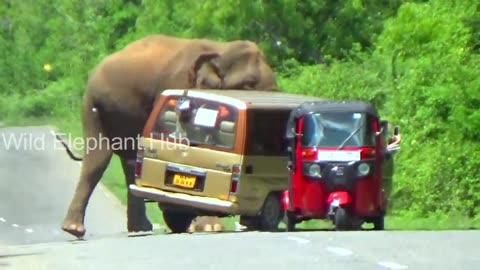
x: 395, y: 140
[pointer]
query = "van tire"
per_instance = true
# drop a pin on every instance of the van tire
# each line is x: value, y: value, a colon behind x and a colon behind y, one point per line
x: 177, y: 222
x: 272, y: 213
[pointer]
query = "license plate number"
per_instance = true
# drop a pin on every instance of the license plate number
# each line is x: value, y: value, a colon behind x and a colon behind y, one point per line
x: 184, y: 181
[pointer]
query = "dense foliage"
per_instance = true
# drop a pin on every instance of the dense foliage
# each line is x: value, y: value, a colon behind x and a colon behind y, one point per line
x: 418, y: 61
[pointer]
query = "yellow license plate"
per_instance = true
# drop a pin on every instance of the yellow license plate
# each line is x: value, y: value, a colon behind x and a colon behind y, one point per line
x: 184, y: 181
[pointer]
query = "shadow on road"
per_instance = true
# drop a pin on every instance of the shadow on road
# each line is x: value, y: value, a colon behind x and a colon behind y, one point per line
x: 8, y: 256
x: 244, y: 231
x: 18, y: 255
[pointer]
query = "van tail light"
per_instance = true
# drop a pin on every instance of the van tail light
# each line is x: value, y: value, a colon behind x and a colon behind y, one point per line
x: 235, y: 179
x: 139, y: 162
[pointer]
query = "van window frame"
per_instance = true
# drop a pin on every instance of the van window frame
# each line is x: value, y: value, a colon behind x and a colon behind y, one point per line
x: 160, y: 106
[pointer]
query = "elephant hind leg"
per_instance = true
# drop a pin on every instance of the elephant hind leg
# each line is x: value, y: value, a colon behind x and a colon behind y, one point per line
x: 136, y: 212
x: 96, y: 159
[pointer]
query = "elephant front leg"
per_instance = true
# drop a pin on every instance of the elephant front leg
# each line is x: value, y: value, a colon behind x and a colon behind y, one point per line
x: 137, y: 220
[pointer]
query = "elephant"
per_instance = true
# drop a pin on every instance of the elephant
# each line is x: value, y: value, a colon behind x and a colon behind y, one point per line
x: 120, y: 93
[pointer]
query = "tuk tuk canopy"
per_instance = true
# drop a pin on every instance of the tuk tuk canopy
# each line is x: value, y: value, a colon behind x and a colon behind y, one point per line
x: 327, y: 106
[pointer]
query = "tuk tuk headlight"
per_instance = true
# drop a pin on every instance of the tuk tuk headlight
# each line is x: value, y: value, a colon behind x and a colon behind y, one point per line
x: 363, y: 169
x: 315, y: 170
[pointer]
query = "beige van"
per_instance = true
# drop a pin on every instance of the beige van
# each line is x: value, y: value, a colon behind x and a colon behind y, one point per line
x: 216, y: 153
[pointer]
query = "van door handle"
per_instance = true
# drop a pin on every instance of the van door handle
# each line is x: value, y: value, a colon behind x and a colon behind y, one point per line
x: 248, y: 169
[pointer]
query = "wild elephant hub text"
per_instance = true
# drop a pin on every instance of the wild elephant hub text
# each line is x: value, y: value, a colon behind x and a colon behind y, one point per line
x: 39, y: 142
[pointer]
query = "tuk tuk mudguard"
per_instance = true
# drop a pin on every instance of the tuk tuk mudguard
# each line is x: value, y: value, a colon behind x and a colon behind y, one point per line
x: 294, y: 201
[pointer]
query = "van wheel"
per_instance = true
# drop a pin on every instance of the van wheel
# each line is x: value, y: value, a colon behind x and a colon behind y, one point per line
x: 271, y: 214
x: 177, y: 222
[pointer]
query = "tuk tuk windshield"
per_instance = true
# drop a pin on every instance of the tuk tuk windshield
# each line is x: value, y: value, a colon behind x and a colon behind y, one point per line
x: 210, y: 123
x: 333, y: 128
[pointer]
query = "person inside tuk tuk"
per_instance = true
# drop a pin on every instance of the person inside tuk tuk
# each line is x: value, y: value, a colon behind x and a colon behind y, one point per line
x: 394, y: 140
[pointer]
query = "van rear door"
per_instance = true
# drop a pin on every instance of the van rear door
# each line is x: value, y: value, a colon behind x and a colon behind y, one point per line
x: 203, y: 158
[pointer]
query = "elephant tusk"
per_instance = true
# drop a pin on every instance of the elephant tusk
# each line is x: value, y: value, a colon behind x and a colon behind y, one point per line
x: 94, y: 109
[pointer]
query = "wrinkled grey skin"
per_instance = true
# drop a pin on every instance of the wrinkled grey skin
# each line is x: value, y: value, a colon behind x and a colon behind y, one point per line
x: 121, y: 91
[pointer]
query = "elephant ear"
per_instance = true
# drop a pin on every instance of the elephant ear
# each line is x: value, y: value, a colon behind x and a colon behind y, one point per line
x: 205, y: 71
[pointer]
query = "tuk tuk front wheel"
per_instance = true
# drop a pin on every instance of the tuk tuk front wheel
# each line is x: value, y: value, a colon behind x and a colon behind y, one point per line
x: 271, y: 214
x: 177, y: 222
x: 342, y: 220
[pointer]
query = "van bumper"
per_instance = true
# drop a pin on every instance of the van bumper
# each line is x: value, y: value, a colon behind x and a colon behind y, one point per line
x: 203, y: 203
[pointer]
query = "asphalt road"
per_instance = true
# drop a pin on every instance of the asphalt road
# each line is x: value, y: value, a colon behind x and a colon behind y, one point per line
x: 37, y: 180
x: 259, y: 251
x: 108, y: 247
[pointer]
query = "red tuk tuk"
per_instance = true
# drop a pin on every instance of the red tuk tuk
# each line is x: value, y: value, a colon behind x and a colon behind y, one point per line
x: 341, y: 165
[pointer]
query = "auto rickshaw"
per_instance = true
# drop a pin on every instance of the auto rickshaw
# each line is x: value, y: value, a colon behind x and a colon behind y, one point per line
x: 340, y: 164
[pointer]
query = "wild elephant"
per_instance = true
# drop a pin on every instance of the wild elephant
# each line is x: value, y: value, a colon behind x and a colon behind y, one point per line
x: 121, y: 91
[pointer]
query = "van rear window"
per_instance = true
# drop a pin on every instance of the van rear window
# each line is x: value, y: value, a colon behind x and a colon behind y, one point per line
x: 211, y: 123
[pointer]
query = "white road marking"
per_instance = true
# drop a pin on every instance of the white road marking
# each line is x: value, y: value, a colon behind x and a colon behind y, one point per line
x: 299, y: 240
x: 392, y: 265
x: 29, y: 230
x: 340, y: 251
x: 2, y: 219
x: 15, y: 225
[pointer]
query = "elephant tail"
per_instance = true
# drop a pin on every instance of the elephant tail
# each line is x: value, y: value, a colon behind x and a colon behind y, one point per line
x: 70, y: 153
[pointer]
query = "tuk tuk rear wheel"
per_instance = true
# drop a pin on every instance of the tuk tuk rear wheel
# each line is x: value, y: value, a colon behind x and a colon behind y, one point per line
x: 177, y: 222
x: 379, y: 223
x: 343, y: 220
x: 271, y: 214
x: 290, y: 223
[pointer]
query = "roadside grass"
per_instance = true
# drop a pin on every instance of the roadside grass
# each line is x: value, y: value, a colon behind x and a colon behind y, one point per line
x: 113, y: 179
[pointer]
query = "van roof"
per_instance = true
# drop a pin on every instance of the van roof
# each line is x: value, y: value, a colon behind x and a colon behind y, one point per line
x: 250, y: 98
